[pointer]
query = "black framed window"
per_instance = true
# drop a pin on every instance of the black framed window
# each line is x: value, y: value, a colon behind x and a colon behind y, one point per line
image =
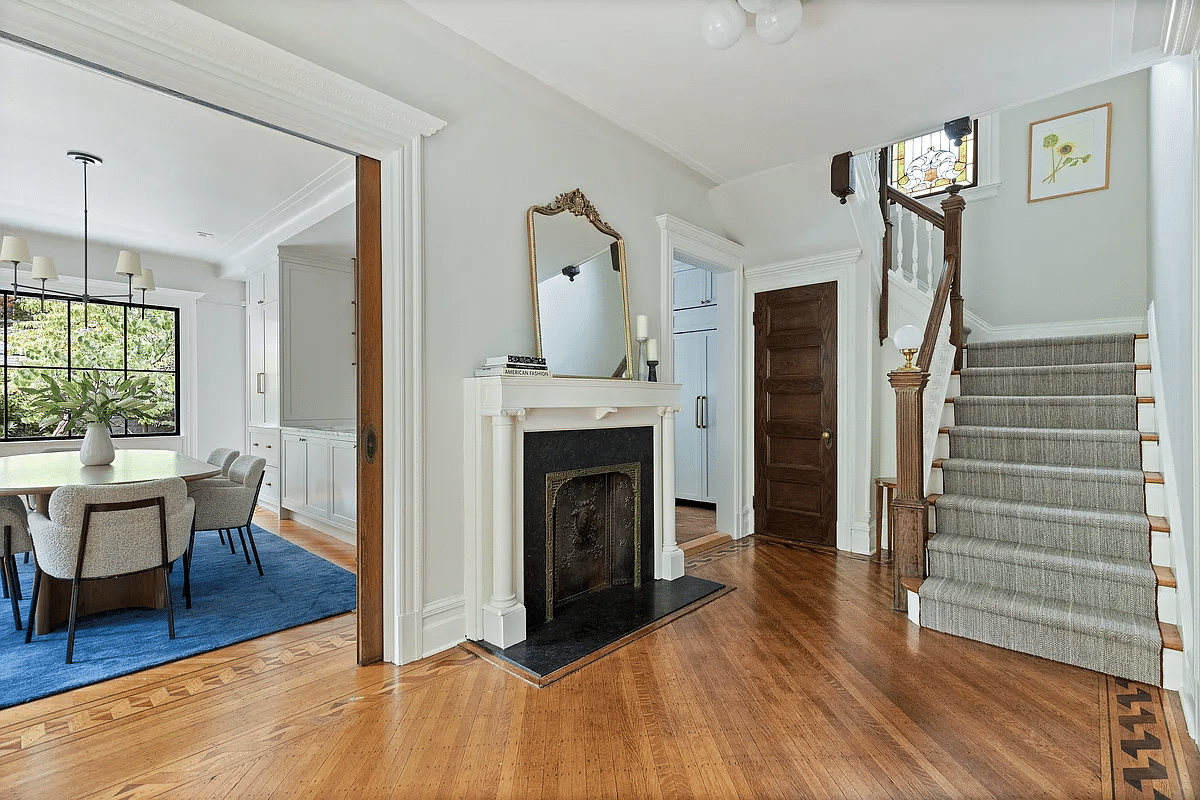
x: 118, y: 339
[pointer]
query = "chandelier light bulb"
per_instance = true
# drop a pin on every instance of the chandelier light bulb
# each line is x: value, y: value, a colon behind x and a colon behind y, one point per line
x: 779, y: 22
x: 722, y: 24
x: 755, y: 6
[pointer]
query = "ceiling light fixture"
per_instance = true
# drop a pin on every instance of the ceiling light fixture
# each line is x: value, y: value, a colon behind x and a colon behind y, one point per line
x: 16, y: 250
x: 776, y: 21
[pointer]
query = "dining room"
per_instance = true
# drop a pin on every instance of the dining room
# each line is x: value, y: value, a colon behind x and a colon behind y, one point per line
x: 135, y: 225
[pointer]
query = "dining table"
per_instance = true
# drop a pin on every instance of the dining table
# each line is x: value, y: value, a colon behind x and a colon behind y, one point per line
x: 39, y: 474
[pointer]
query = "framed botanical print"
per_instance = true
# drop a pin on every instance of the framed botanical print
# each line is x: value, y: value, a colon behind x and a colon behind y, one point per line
x: 1068, y: 154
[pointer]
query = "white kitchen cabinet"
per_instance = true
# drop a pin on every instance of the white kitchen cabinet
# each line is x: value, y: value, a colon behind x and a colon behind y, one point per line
x: 317, y: 345
x: 693, y: 287
x: 343, y: 464
x: 695, y: 432
x: 318, y: 474
x: 264, y: 287
x: 263, y: 338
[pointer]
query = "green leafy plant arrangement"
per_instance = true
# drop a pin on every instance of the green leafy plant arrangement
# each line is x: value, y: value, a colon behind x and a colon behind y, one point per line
x: 90, y: 398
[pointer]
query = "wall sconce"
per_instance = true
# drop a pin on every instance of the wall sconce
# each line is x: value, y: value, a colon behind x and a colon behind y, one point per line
x: 570, y: 270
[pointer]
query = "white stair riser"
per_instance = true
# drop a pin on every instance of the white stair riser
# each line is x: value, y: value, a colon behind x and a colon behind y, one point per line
x: 1143, y: 384
x: 1172, y: 669
x: 914, y: 609
x: 1145, y: 418
x: 1150, y: 458
x: 941, y: 448
x: 1160, y: 549
x: 1156, y: 500
x: 947, y: 420
x: 1168, y: 605
x: 935, y: 481
x: 952, y: 389
x: 1141, y: 351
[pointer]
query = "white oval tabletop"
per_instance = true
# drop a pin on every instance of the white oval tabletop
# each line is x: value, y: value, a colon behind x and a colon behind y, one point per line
x: 42, y: 473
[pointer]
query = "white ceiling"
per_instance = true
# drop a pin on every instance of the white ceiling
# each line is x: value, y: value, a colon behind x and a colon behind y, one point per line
x: 859, y: 73
x: 171, y: 167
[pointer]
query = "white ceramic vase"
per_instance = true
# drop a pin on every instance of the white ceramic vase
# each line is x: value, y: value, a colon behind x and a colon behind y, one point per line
x: 97, y: 448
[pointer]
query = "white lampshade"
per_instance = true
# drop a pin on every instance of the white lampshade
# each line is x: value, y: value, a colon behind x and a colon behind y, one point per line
x: 44, y: 269
x: 779, y: 22
x: 14, y: 248
x: 145, y: 280
x: 908, y: 338
x: 129, y: 263
x: 722, y: 24
x: 755, y: 6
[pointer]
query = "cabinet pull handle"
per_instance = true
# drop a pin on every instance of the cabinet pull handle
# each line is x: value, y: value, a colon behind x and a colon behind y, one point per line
x: 268, y: 483
x: 256, y: 444
x: 268, y: 447
x: 704, y: 416
x: 260, y: 302
x: 303, y: 439
x: 698, y: 411
x: 261, y: 376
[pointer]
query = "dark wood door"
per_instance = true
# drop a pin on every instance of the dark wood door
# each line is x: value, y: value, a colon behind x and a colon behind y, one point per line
x: 795, y: 414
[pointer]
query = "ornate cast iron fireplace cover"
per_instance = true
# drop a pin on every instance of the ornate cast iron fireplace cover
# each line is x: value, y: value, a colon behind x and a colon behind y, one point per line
x: 593, y: 530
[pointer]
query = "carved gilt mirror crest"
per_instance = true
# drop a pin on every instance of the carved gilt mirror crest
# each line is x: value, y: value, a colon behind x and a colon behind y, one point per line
x: 580, y: 294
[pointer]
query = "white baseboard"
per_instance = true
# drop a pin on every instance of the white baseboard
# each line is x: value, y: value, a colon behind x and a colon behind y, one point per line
x: 322, y: 525
x: 443, y: 624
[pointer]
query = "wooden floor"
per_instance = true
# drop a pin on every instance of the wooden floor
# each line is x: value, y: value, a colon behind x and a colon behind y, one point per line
x: 800, y: 683
x: 693, y: 522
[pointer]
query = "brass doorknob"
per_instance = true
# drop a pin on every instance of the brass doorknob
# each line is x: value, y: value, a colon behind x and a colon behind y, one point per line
x: 827, y: 438
x: 826, y: 435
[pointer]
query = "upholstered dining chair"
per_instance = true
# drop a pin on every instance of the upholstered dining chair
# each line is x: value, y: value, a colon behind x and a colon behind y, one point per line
x: 15, y: 539
x: 108, y: 530
x: 222, y: 457
x: 231, y: 507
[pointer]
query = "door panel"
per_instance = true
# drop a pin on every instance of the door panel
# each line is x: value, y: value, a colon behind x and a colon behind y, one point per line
x: 795, y: 403
x: 689, y: 436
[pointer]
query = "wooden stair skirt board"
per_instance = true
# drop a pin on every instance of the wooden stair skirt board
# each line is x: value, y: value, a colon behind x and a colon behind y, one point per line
x: 702, y: 544
x: 1042, y: 539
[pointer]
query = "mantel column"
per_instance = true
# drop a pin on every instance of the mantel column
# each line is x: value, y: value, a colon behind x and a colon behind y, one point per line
x: 672, y: 556
x: 503, y: 615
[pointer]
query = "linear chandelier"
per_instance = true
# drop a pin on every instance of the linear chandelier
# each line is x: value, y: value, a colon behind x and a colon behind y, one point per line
x: 723, y: 21
x: 16, y: 250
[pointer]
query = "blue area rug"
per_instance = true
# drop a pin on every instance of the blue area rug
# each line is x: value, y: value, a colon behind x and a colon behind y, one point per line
x: 231, y: 603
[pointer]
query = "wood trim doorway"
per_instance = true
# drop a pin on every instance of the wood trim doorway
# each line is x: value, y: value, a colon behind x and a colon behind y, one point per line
x: 795, y: 414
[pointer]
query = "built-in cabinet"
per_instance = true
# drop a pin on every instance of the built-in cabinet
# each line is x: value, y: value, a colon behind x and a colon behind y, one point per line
x: 695, y: 346
x: 301, y: 334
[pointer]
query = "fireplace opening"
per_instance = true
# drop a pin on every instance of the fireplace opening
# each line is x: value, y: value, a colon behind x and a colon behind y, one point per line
x: 593, y: 532
x: 588, y: 500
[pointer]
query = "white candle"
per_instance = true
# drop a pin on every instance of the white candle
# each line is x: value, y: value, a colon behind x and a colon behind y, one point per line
x: 652, y: 350
x: 643, y: 327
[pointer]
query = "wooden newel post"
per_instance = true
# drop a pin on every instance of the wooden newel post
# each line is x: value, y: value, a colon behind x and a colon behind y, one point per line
x: 953, y: 207
x: 910, y: 512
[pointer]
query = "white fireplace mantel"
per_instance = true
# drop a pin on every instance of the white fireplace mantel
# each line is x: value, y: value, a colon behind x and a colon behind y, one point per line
x: 497, y: 412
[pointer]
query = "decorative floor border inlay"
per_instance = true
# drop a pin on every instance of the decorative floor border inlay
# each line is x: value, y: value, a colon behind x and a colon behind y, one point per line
x: 1138, y: 748
x: 222, y: 675
x: 709, y: 556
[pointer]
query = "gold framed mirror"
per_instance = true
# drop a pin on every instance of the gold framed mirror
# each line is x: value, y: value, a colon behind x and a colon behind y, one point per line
x: 580, y: 293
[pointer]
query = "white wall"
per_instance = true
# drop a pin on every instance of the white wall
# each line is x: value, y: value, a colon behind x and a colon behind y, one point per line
x: 213, y: 340
x: 510, y: 143
x: 1081, y: 257
x: 1172, y: 143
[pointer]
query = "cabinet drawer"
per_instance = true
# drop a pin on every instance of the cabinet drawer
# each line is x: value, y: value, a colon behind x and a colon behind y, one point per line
x: 265, y: 443
x: 270, y: 487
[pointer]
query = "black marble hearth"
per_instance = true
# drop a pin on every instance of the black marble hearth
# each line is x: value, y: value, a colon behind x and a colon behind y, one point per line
x: 598, y: 620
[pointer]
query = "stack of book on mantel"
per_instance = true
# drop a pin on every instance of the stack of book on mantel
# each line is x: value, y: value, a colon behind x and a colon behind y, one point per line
x: 524, y: 366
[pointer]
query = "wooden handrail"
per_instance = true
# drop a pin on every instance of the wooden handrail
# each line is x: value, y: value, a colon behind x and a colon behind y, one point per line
x: 933, y: 323
x: 923, y: 211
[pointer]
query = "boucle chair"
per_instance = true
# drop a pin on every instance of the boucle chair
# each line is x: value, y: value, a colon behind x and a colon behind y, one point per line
x: 15, y: 539
x: 221, y: 457
x: 108, y: 530
x: 231, y: 507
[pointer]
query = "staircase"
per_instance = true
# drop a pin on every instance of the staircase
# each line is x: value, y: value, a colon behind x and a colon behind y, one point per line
x: 1043, y: 540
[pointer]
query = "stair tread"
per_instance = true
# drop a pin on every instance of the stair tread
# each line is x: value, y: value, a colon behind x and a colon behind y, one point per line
x: 945, y: 430
x: 1051, y: 399
x: 1024, y: 508
x: 1042, y: 610
x: 1159, y: 524
x: 1013, y: 553
x: 1170, y: 636
x: 912, y: 584
x: 1165, y: 576
x: 1049, y: 470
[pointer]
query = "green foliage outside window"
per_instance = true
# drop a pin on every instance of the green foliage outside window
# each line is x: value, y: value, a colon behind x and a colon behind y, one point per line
x: 118, y: 342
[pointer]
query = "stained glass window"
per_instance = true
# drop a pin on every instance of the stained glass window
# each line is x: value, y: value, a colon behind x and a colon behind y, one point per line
x: 929, y: 164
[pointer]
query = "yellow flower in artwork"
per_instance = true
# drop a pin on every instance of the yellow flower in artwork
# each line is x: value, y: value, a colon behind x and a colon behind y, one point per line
x: 1066, y: 149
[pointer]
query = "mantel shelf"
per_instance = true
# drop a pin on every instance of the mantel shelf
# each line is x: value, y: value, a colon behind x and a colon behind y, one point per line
x: 512, y: 394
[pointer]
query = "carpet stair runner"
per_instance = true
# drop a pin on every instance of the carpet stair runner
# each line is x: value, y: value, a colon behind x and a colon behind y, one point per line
x: 1042, y: 540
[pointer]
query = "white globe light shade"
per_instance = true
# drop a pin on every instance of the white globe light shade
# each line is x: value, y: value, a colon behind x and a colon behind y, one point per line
x: 755, y: 6
x: 779, y: 22
x: 722, y: 24
x: 908, y: 338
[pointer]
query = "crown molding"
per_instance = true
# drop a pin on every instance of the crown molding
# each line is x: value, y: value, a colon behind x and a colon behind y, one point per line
x: 164, y: 44
x: 841, y: 258
x: 700, y: 239
x: 1182, y: 29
